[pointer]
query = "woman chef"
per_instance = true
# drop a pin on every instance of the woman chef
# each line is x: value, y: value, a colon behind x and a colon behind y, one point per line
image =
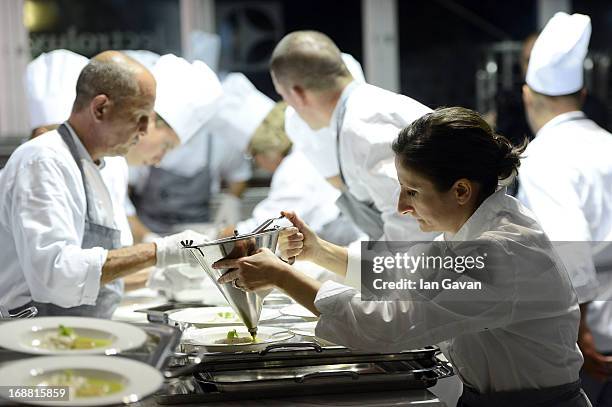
x: 509, y: 344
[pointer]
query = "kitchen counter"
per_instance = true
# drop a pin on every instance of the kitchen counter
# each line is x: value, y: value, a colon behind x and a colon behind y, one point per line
x: 374, y: 399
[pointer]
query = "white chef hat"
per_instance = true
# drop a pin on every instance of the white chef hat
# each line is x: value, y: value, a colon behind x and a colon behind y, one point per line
x: 354, y: 67
x: 147, y: 58
x: 241, y: 111
x: 556, y: 61
x: 319, y: 146
x: 50, y: 83
x: 187, y: 94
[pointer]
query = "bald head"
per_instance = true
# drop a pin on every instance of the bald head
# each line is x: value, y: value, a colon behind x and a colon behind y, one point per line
x: 115, y: 75
x: 309, y: 59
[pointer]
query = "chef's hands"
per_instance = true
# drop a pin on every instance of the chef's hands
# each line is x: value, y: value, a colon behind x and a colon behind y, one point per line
x: 596, y: 365
x: 260, y: 271
x: 169, y: 250
x: 298, y: 240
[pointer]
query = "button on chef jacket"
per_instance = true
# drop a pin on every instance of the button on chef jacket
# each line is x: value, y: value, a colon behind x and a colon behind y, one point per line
x: 494, y: 346
x: 566, y: 180
x: 42, y: 219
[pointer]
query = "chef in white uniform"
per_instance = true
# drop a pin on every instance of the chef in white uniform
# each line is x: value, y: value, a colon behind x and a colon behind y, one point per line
x: 179, y: 190
x: 295, y: 183
x: 566, y: 179
x: 365, y: 120
x: 50, y: 84
x: 57, y: 221
x: 512, y: 342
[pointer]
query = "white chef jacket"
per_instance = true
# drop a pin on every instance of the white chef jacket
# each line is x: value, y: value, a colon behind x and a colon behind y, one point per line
x: 494, y: 346
x: 566, y: 180
x: 373, y: 119
x: 115, y: 176
x: 296, y: 186
x: 42, y: 220
x: 227, y: 161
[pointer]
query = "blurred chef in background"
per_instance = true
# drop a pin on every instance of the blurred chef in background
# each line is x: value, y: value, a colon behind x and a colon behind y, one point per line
x: 241, y: 110
x: 186, y: 97
x: 61, y: 242
x: 565, y: 179
x: 237, y: 114
x: 295, y: 183
x: 177, y: 193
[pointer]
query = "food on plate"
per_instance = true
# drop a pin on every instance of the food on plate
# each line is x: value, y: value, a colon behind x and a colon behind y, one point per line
x: 81, y: 385
x: 66, y: 339
x: 233, y: 338
x: 226, y: 316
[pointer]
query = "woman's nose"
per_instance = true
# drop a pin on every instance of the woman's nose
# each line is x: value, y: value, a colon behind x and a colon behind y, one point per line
x: 404, y: 208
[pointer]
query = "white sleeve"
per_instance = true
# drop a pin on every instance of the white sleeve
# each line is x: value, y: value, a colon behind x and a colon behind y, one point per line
x: 556, y: 205
x: 392, y: 326
x: 47, y: 223
x: 423, y: 317
x: 130, y: 209
x: 235, y: 167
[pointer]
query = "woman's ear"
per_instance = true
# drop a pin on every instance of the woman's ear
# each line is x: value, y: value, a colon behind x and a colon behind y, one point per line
x: 464, y: 190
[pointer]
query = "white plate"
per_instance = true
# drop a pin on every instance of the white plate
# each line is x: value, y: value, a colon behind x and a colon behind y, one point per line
x: 205, y: 317
x: 296, y: 310
x: 126, y: 311
x: 26, y: 335
x: 138, y: 379
x: 306, y: 329
x: 207, y: 337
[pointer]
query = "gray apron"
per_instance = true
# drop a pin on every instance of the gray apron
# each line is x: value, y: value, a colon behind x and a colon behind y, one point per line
x: 169, y: 199
x: 364, y: 215
x: 94, y: 235
x: 566, y: 395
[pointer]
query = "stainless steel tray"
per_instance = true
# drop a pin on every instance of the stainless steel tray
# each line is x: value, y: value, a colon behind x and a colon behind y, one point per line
x: 306, y: 370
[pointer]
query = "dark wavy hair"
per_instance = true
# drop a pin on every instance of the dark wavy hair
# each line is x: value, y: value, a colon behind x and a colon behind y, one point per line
x: 454, y: 142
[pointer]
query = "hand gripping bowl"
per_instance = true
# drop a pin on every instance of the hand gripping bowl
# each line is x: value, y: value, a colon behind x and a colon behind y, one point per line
x: 246, y: 304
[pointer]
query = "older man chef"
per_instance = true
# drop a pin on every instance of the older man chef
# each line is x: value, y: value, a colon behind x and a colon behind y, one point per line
x: 566, y: 180
x: 51, y: 89
x: 56, y: 219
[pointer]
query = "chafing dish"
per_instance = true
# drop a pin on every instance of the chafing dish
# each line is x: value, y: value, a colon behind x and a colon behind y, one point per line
x: 298, y: 368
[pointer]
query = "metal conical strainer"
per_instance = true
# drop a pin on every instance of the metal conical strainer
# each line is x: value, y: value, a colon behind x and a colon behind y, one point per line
x: 246, y: 304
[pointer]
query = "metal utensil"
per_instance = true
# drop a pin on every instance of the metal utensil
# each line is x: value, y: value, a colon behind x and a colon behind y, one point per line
x: 246, y: 304
x: 29, y: 312
x: 265, y: 224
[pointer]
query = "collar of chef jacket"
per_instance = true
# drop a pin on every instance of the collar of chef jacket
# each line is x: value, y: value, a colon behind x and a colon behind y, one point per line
x: 481, y: 218
x: 563, y: 117
x: 341, y: 104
